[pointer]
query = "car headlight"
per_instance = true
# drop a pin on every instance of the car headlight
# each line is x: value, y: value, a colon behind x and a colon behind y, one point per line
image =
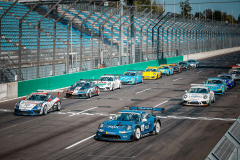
x: 132, y: 78
x: 39, y: 105
x: 101, y: 125
x: 205, y: 97
x: 128, y: 127
x: 185, y: 96
x: 221, y: 86
x: 17, y: 104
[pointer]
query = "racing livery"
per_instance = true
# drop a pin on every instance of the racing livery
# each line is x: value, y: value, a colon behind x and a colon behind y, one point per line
x: 220, y: 86
x: 235, y: 75
x: 109, y: 82
x: 227, y: 78
x: 152, y: 73
x: 193, y: 63
x: 129, y: 125
x: 38, y: 103
x: 166, y: 69
x: 184, y: 65
x: 176, y: 67
x: 198, y: 95
x: 131, y: 77
x: 83, y: 89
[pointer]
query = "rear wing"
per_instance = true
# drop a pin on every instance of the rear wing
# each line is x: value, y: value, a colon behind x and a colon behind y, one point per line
x: 112, y: 74
x: 139, y: 71
x: 236, y: 66
x: 55, y: 91
x: 147, y: 108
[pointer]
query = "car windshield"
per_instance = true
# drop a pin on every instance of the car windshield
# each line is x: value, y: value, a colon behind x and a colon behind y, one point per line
x: 151, y: 70
x: 214, y: 82
x: 81, y: 84
x: 191, y: 61
x: 36, y: 97
x: 235, y: 72
x: 164, y: 67
x: 198, y: 90
x: 126, y: 117
x: 129, y: 74
x: 106, y: 79
x: 225, y: 77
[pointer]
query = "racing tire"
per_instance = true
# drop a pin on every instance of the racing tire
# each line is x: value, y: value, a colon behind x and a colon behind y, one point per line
x: 137, y: 134
x: 157, y: 128
x: 213, y: 100
x: 113, y: 88
x: 89, y: 95
x: 44, y: 110
x: 142, y: 80
x: 58, y: 106
x: 135, y: 81
x: 120, y: 86
x: 209, y: 104
x: 98, y: 93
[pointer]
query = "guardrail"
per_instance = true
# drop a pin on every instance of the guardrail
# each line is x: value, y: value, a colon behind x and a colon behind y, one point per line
x: 228, y: 148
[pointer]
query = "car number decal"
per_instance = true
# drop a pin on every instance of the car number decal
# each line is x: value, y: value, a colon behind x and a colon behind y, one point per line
x: 142, y: 127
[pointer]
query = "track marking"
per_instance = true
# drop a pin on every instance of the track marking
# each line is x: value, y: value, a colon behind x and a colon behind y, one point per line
x: 80, y: 142
x: 143, y: 90
x: 160, y: 104
x: 177, y: 79
x: 199, y: 71
x: 6, y: 110
x: 198, y: 118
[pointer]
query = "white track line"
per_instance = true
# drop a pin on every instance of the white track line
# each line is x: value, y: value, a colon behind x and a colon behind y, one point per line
x: 198, y: 118
x: 177, y: 79
x: 79, y: 142
x: 143, y: 90
x: 160, y: 104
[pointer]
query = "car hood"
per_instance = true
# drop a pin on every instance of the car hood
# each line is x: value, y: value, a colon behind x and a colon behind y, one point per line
x: 149, y: 73
x: 27, y: 104
x: 103, y: 83
x: 117, y: 125
x: 79, y: 89
x: 196, y: 95
x: 127, y: 77
x: 214, y: 87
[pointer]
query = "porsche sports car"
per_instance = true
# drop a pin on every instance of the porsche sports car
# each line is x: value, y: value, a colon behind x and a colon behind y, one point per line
x: 129, y: 125
x: 109, y: 82
x: 176, y: 67
x: 83, y: 89
x: 184, y: 65
x: 220, y: 87
x: 198, y: 95
x: 235, y: 75
x: 38, y: 103
x: 165, y: 69
x: 131, y: 77
x: 152, y: 73
x: 193, y: 63
x: 227, y: 78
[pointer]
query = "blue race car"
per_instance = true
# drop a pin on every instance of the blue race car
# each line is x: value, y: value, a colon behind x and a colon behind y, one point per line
x: 131, y: 77
x: 129, y: 125
x: 83, y: 89
x: 166, y: 69
x: 219, y: 85
x: 228, y: 79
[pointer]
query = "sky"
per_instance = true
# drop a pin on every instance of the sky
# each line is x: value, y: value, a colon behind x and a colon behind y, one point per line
x: 225, y: 7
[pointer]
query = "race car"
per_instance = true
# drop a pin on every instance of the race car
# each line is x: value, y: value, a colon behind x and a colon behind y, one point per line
x: 220, y: 86
x: 176, y: 67
x: 166, y: 69
x: 129, y: 125
x: 152, y: 73
x: 235, y: 75
x: 83, y: 89
x: 193, y: 63
x: 109, y: 82
x: 132, y: 77
x: 227, y: 78
x: 38, y: 103
x: 198, y: 95
x: 184, y: 65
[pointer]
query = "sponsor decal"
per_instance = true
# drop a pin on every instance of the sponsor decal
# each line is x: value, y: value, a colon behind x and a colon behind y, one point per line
x: 110, y: 133
x: 113, y: 127
x: 142, y: 127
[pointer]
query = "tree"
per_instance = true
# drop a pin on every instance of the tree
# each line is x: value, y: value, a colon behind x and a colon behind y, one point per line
x: 207, y: 13
x: 197, y: 15
x: 217, y: 15
x: 185, y: 7
x: 155, y: 6
x: 238, y: 20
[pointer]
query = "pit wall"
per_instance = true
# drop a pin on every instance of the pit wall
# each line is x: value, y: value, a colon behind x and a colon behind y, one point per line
x: 50, y: 83
x: 208, y: 54
x: 8, y: 90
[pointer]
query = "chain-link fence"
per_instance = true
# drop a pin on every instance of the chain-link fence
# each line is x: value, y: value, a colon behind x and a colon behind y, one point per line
x: 42, y: 40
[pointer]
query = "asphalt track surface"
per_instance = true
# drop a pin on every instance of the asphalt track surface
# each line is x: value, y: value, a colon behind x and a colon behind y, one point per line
x: 187, y: 132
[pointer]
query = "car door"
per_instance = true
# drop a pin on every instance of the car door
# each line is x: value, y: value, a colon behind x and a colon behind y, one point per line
x: 50, y: 101
x: 146, y: 125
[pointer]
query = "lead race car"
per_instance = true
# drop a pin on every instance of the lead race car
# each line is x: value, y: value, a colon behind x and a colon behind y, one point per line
x: 129, y: 125
x: 198, y: 95
x: 109, y: 82
x: 193, y: 63
x: 85, y: 88
x: 38, y: 103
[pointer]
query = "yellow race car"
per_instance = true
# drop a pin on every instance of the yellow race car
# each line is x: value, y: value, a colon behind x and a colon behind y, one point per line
x: 152, y: 73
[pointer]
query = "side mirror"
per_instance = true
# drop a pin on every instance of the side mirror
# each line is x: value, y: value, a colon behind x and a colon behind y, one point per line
x: 23, y: 98
x: 110, y: 117
x: 49, y: 100
x: 144, y: 120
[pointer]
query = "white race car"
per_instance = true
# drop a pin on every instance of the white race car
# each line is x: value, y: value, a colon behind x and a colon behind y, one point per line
x: 198, y: 95
x: 109, y: 82
x: 38, y: 103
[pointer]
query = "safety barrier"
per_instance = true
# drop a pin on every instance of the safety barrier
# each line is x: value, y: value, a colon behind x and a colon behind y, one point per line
x: 49, y: 83
x: 229, y: 145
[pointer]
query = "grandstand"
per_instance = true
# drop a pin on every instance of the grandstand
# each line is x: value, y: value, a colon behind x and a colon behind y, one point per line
x: 93, y: 37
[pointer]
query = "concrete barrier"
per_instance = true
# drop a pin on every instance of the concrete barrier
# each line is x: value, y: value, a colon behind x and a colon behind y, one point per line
x: 208, y: 54
x: 8, y: 91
